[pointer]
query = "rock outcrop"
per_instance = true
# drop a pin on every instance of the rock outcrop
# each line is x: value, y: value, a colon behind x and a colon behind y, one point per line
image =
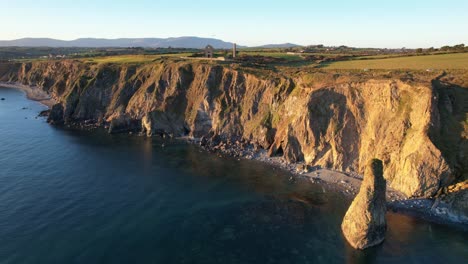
x: 452, y: 201
x: 337, y: 120
x: 56, y: 114
x: 364, y: 224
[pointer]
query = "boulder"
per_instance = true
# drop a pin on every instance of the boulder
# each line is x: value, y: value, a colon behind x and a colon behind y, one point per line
x: 453, y: 200
x: 163, y: 123
x: 364, y: 224
x: 146, y: 125
x: 123, y: 124
x: 56, y: 114
x: 264, y: 136
x: 460, y: 205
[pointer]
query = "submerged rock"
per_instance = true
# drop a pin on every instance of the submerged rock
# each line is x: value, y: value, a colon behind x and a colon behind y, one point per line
x: 364, y: 224
x: 44, y: 113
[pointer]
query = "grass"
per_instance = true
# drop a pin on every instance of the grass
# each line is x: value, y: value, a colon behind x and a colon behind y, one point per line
x: 130, y: 59
x: 383, y: 56
x: 279, y: 55
x: 445, y: 61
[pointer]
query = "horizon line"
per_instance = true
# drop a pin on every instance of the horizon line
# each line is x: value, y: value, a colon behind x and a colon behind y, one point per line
x: 188, y: 36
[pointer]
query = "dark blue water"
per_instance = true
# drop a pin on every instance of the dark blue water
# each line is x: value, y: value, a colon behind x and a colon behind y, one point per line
x: 70, y: 196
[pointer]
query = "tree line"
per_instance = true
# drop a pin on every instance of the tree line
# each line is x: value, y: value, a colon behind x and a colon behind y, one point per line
x: 454, y: 48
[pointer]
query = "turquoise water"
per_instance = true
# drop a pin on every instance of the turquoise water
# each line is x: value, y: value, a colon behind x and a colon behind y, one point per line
x: 69, y: 196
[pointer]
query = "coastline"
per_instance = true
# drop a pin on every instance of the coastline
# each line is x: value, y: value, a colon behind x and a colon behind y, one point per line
x: 32, y: 92
x: 345, y: 183
x: 431, y: 210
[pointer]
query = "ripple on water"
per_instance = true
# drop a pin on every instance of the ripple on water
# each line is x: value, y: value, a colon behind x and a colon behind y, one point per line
x: 86, y: 197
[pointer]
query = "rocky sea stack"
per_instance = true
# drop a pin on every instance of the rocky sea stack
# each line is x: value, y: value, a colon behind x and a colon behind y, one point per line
x: 364, y: 224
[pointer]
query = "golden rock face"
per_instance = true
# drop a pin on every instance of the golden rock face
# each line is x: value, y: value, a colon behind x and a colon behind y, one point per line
x: 335, y: 120
x: 364, y: 224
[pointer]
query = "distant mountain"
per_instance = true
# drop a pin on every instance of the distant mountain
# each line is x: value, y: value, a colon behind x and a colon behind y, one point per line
x: 180, y: 42
x: 279, y: 46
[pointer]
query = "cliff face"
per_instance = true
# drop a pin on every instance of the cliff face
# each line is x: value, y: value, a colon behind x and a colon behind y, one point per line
x: 321, y: 118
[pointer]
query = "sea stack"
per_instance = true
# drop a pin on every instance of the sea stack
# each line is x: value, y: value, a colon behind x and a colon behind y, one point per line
x: 364, y: 224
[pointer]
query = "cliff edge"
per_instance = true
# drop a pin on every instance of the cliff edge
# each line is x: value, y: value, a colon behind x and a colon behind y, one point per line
x: 415, y: 123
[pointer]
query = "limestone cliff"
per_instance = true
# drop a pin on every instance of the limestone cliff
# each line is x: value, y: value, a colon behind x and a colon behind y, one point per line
x: 333, y: 119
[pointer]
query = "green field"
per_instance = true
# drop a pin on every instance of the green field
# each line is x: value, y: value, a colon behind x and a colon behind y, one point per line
x: 279, y: 55
x: 445, y: 61
x: 131, y: 59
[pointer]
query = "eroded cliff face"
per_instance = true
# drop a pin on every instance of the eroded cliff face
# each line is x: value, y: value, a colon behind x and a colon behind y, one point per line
x: 339, y: 123
x: 345, y: 125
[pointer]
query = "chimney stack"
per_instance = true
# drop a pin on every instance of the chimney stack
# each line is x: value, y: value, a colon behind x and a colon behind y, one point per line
x: 234, y: 50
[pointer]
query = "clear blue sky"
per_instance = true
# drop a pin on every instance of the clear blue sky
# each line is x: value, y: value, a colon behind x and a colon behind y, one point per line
x: 362, y: 23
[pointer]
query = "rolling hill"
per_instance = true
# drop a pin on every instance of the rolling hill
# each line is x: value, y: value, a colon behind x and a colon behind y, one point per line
x: 179, y: 42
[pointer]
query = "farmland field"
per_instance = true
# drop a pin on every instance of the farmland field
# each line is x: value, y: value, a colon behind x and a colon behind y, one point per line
x: 128, y: 59
x: 445, y: 61
x: 280, y: 55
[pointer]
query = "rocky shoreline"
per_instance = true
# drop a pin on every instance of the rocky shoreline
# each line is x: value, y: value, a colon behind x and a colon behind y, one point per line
x: 32, y: 93
x: 433, y: 210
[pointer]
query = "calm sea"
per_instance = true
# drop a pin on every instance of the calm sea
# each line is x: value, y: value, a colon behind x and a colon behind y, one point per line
x: 69, y: 196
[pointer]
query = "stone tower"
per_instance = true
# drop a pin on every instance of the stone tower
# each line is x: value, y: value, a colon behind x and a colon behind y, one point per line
x: 234, y: 50
x: 209, y: 50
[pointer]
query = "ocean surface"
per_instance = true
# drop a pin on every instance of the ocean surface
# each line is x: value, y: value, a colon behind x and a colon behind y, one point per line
x: 69, y: 196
